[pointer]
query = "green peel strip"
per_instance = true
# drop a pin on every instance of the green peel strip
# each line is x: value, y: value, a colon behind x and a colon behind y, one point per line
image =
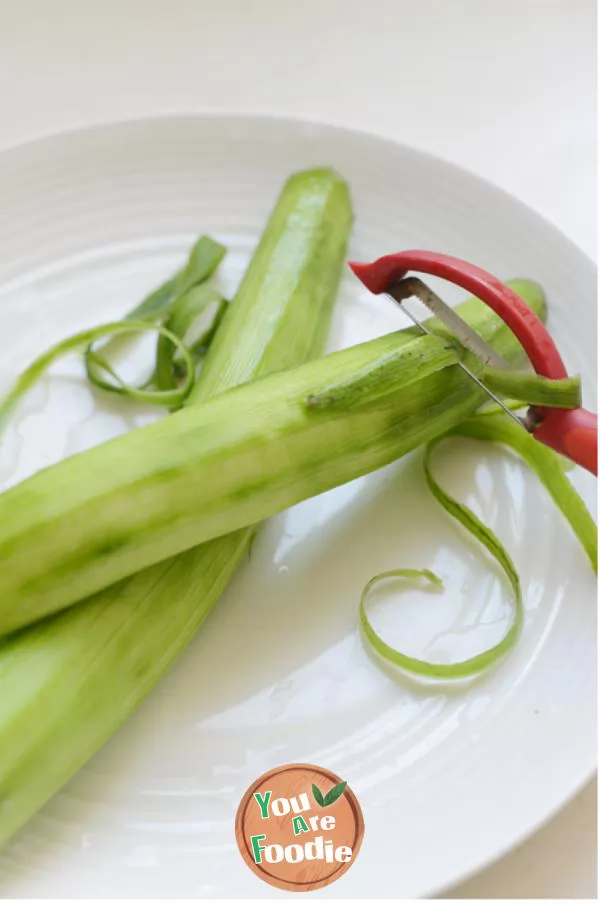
x: 204, y: 258
x: 173, y: 396
x: 184, y: 311
x: 169, y: 311
x: 549, y: 468
x: 532, y: 388
x: 86, y: 338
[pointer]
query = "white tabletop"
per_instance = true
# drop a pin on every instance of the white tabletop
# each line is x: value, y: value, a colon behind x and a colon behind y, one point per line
x: 506, y: 89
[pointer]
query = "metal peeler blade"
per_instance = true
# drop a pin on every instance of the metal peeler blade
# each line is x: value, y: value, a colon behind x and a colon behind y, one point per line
x: 413, y: 287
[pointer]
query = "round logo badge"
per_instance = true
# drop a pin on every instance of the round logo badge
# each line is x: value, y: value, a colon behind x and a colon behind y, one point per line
x: 299, y: 827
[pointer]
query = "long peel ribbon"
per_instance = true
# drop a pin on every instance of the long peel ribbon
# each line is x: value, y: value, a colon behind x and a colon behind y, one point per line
x: 549, y: 468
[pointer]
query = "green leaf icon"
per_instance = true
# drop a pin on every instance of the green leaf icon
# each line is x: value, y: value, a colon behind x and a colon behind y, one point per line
x: 333, y: 794
x: 318, y: 796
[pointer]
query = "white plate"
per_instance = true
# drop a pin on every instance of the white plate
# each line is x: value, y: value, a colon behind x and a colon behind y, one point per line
x: 447, y: 779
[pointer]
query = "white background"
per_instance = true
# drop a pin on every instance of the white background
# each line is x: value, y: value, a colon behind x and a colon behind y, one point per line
x: 506, y: 88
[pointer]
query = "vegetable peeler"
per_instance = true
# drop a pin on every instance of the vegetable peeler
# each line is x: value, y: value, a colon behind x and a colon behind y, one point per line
x: 571, y: 432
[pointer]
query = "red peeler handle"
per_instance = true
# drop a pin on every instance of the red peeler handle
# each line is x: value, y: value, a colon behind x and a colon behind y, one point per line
x: 573, y: 433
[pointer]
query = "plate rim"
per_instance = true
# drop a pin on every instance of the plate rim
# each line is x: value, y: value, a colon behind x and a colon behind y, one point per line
x: 298, y: 121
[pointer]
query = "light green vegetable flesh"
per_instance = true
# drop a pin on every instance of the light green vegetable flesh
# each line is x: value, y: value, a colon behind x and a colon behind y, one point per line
x: 241, y: 457
x: 68, y: 682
